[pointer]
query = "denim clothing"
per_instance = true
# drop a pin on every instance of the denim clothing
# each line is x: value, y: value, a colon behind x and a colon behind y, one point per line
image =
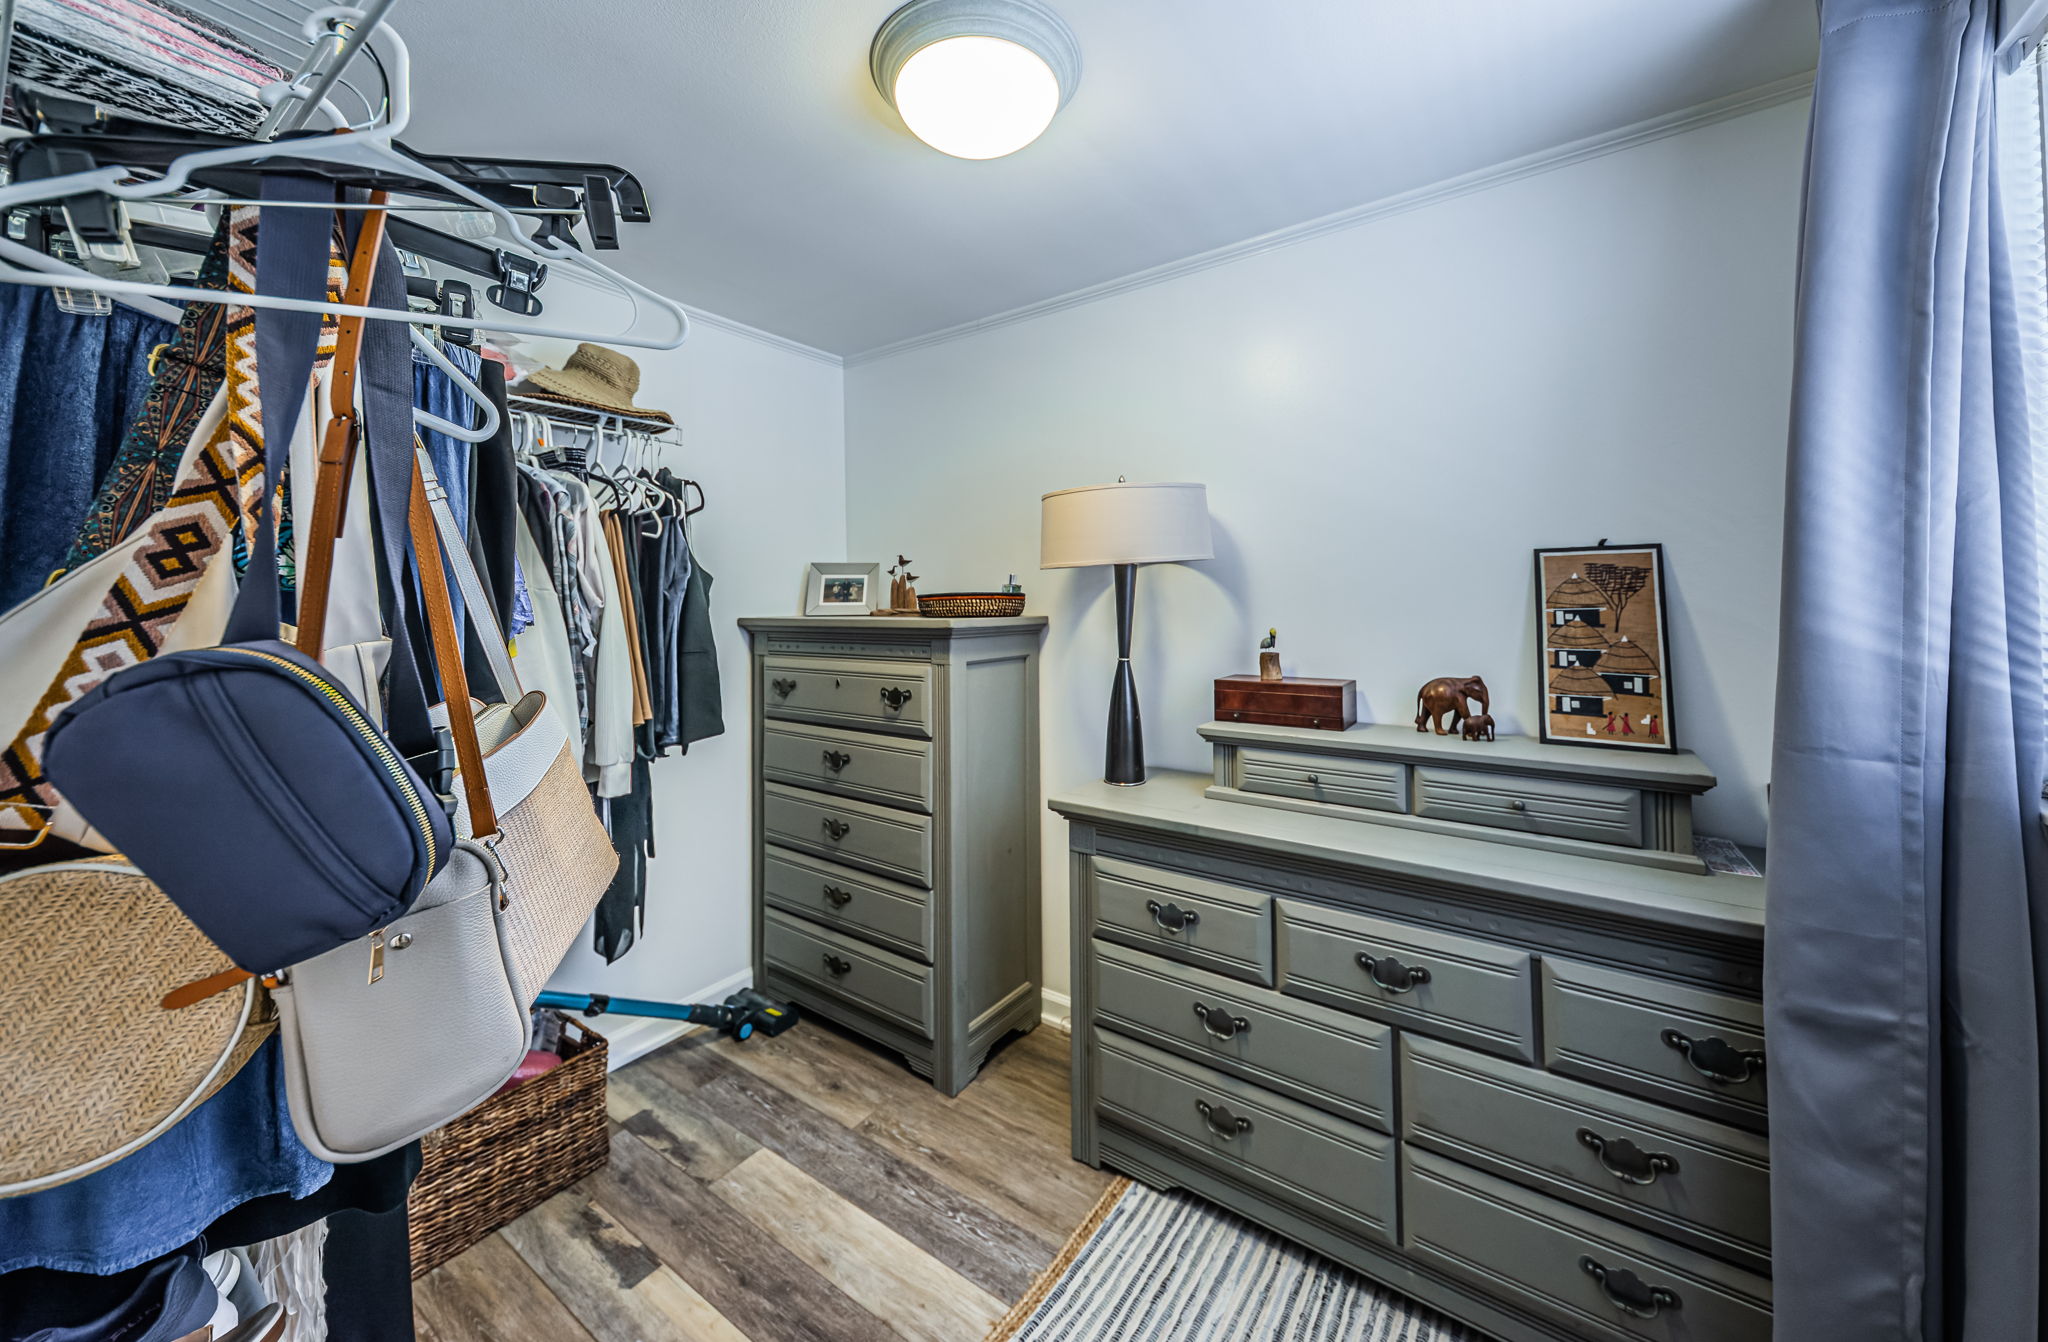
x: 436, y: 393
x: 70, y: 387
x: 237, y: 1146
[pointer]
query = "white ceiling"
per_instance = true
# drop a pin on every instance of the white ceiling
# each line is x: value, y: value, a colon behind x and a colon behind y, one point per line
x: 786, y: 195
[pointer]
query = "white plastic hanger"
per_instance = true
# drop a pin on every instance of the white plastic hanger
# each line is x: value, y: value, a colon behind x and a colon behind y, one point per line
x: 424, y: 343
x: 666, y: 324
x: 487, y: 427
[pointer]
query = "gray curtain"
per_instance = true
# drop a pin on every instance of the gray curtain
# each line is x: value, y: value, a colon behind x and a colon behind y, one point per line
x: 1904, y: 966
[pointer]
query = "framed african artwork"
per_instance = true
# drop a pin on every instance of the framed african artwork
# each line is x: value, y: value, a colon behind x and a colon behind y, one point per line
x: 1604, y: 663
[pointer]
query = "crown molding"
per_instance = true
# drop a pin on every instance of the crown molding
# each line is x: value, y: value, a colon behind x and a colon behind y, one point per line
x: 1704, y: 114
x: 755, y: 333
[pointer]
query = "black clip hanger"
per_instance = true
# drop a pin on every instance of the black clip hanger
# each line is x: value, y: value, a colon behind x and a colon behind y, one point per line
x: 600, y: 213
x: 458, y: 300
x: 518, y: 277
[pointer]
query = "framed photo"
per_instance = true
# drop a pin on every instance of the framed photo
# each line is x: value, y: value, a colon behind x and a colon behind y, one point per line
x: 1604, y: 663
x: 842, y: 589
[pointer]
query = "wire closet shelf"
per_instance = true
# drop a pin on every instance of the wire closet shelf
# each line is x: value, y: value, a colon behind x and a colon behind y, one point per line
x: 315, y: 47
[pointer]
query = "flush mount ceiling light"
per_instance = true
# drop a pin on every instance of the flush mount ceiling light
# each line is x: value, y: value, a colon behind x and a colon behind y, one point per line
x: 975, y: 78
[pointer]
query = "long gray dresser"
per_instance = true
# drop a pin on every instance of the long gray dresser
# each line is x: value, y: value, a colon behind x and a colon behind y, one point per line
x: 896, y: 831
x: 1522, y: 1085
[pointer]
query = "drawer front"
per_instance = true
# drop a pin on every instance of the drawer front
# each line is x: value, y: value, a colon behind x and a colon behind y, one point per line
x: 889, y: 770
x: 890, y: 986
x: 1532, y: 805
x: 1469, y: 991
x: 871, y: 696
x: 894, y: 843
x: 1690, y: 1179
x: 1698, y: 1050
x: 896, y: 916
x: 1331, y: 1060
x: 1372, y: 785
x: 1334, y: 1169
x: 1606, y: 1281
x: 1222, y: 927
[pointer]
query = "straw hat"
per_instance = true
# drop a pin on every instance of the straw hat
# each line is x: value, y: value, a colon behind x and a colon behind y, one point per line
x: 596, y: 377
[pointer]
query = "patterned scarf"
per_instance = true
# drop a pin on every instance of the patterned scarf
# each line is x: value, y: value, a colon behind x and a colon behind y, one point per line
x: 212, y: 504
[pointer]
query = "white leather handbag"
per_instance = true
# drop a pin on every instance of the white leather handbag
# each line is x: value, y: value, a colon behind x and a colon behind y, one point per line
x: 389, y: 1037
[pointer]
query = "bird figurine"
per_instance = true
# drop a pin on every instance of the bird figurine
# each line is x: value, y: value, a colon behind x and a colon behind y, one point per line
x: 902, y: 596
x: 1269, y: 655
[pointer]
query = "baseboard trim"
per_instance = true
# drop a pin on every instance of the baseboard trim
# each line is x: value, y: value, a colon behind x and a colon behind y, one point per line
x: 1056, y: 1010
x: 634, y: 1037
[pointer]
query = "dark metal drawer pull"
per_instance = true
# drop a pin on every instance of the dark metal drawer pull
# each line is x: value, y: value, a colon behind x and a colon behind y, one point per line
x: 1629, y: 1293
x: 1221, y: 1023
x: 895, y: 697
x: 836, y: 828
x: 1625, y: 1160
x: 1391, y: 974
x: 840, y: 898
x: 783, y: 688
x: 838, y: 966
x: 1221, y: 1121
x: 1171, y: 917
x: 1716, y: 1059
x: 835, y: 760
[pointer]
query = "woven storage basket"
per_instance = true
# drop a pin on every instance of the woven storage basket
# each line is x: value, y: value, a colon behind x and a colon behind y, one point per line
x: 511, y: 1153
x: 970, y: 605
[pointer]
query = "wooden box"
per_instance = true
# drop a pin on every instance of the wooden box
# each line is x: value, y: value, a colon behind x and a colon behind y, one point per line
x: 1296, y: 701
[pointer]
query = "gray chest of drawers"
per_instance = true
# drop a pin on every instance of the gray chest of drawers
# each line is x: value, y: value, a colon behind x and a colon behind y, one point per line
x: 896, y: 829
x: 1522, y: 1085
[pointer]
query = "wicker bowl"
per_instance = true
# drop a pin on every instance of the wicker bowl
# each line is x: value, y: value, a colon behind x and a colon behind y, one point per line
x: 971, y: 605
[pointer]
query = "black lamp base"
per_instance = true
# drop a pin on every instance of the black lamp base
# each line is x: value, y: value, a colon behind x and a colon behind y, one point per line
x: 1124, y: 758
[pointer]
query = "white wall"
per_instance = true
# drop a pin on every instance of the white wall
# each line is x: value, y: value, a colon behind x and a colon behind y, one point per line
x: 1389, y: 420
x: 762, y: 429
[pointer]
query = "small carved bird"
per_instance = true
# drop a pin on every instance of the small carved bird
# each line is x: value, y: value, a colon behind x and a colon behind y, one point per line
x: 1271, y: 640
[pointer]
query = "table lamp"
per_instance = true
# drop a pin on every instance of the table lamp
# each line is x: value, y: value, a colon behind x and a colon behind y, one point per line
x: 1124, y: 525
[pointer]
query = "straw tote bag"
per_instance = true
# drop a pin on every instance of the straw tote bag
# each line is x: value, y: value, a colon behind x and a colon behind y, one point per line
x: 96, y: 1069
x: 546, y: 822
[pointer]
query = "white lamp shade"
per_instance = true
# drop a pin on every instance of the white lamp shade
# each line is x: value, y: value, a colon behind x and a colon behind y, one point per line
x: 1125, y: 524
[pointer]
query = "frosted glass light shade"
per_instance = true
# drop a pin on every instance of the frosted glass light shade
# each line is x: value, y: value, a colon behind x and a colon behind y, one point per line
x: 975, y: 79
x: 977, y: 97
x: 1124, y: 524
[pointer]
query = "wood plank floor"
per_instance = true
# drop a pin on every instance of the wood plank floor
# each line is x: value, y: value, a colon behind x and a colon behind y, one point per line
x: 802, y: 1189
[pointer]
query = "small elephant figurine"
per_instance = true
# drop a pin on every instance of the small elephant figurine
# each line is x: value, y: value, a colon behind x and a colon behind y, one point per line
x: 1478, y: 727
x: 1447, y: 694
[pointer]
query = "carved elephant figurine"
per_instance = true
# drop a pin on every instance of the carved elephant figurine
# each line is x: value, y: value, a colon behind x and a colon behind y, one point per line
x: 1478, y: 727
x: 1447, y: 694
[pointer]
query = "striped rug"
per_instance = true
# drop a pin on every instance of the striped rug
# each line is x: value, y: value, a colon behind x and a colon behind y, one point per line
x: 1165, y: 1267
